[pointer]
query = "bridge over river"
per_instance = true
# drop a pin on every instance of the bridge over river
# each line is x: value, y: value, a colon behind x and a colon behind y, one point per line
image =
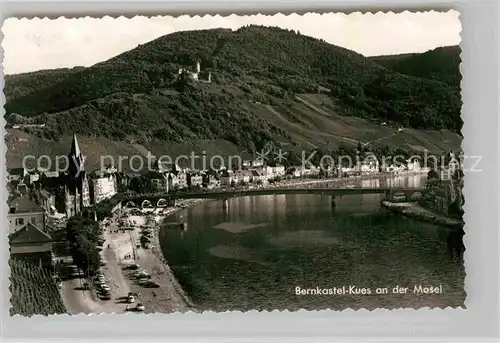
x: 166, y: 199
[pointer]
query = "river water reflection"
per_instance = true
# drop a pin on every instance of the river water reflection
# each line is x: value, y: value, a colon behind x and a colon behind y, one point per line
x: 254, y: 254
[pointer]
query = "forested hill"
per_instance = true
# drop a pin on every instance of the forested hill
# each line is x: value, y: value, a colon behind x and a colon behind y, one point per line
x: 257, y: 74
x: 441, y: 64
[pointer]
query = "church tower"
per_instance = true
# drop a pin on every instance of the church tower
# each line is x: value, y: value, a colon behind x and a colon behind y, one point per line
x: 75, y: 159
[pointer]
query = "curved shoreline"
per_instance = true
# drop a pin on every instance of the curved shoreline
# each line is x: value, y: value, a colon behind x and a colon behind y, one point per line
x: 161, y: 257
x: 168, y: 271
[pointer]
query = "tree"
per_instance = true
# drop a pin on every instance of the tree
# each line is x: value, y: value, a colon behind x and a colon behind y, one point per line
x: 85, y: 237
x: 141, y: 184
x: 432, y: 175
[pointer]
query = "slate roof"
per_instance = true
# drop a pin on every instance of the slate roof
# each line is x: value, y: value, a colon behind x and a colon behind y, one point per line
x: 17, y: 171
x: 29, y: 234
x: 46, y: 194
x: 24, y: 205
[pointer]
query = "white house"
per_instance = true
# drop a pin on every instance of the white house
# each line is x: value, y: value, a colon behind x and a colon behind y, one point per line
x: 227, y: 178
x: 294, y: 171
x: 104, y: 188
x: 195, y: 179
x: 23, y: 211
x: 369, y: 165
x: 177, y: 180
x: 211, y: 181
x: 392, y: 168
x: 257, y: 163
x: 413, y: 165
x: 243, y: 176
x: 278, y: 170
x: 258, y: 177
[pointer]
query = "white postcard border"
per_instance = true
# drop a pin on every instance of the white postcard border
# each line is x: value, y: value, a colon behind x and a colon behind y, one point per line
x: 480, y: 92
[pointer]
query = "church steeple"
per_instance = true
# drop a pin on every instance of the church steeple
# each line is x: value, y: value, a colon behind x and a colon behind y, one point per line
x: 75, y: 148
x: 75, y: 158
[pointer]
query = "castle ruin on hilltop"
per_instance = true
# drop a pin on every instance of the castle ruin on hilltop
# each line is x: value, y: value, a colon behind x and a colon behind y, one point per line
x: 197, y: 75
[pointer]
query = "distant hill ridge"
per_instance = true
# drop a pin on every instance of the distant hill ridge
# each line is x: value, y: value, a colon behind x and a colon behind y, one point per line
x: 134, y: 97
x: 440, y: 64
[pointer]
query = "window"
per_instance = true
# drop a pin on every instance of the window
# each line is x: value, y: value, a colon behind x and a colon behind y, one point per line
x: 19, y: 221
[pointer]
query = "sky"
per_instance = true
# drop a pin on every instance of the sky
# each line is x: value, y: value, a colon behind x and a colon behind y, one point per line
x: 36, y: 44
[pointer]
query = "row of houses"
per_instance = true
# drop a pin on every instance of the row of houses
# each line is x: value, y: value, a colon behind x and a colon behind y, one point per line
x: 166, y: 180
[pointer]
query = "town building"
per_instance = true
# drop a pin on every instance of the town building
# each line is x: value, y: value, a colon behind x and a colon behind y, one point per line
x: 23, y: 211
x: 243, y: 176
x: 247, y: 164
x: 279, y: 170
x: 258, y: 177
x: 211, y: 181
x: 195, y: 180
x: 16, y: 175
x: 160, y: 181
x: 294, y: 172
x: 50, y: 174
x: 32, y: 177
x: 395, y: 169
x: 103, y: 187
x: 228, y: 178
x: 31, y: 244
x: 257, y: 163
x: 370, y: 165
x: 413, y: 165
x: 47, y: 200
x: 182, y: 179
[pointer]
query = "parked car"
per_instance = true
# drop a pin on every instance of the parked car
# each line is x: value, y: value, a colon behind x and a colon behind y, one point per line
x: 105, y: 287
x: 133, y: 266
x: 99, y: 279
x: 141, y: 274
x: 143, y: 281
x: 140, y: 307
x: 151, y: 284
x: 105, y: 296
x: 130, y: 299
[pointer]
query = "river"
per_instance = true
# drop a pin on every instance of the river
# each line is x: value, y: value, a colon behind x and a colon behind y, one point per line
x: 255, y: 253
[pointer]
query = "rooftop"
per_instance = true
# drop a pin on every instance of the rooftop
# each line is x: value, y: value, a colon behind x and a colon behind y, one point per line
x: 23, y: 205
x: 17, y: 171
x: 29, y: 234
